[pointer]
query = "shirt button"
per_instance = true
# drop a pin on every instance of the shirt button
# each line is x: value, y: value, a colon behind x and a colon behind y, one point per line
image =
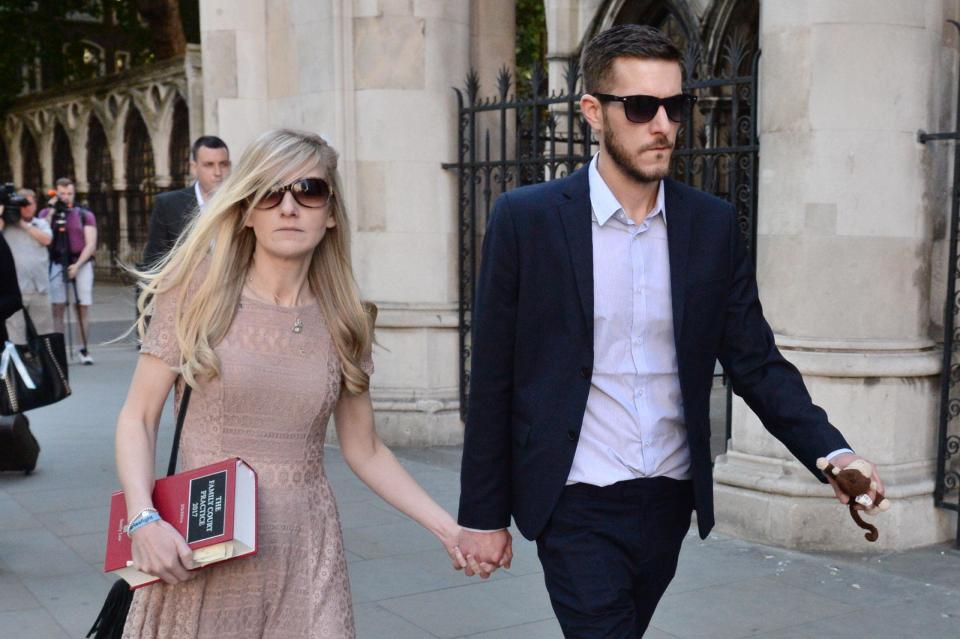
x: 572, y: 435
x: 640, y: 393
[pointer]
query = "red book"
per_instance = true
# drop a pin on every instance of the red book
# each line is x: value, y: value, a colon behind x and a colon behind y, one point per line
x: 213, y: 507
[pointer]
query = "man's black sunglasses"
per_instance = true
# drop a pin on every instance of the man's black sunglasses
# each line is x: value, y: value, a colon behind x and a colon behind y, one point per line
x: 643, y: 108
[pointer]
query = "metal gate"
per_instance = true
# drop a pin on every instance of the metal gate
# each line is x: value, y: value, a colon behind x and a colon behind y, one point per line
x: 100, y: 198
x: 947, y: 483
x: 506, y: 142
x: 32, y: 173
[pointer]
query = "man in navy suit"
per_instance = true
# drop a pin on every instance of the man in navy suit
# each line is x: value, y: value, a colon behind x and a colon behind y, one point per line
x: 603, y: 302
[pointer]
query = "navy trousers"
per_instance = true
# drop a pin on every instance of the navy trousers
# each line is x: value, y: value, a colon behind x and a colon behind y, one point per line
x: 608, y: 554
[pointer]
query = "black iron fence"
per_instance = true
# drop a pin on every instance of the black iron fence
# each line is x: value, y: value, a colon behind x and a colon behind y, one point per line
x: 122, y: 221
x: 947, y: 483
x: 506, y: 141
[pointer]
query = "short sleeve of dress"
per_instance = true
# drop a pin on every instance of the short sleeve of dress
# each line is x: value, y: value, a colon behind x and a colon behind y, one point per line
x: 366, y: 363
x: 161, y: 338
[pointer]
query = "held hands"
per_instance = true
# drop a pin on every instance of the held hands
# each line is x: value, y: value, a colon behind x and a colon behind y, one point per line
x: 450, y: 537
x: 159, y: 550
x: 486, y: 551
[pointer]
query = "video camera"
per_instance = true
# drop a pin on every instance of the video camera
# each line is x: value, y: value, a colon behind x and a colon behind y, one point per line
x: 11, y: 203
x: 59, y: 212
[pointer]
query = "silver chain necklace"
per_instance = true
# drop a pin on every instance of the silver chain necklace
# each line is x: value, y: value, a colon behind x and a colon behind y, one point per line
x: 297, y: 322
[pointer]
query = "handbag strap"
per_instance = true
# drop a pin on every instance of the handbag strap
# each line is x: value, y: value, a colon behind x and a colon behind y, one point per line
x: 31, y: 329
x: 181, y: 415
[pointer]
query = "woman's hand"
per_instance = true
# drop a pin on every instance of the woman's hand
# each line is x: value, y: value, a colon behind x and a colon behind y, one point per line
x: 161, y: 551
x: 450, y: 538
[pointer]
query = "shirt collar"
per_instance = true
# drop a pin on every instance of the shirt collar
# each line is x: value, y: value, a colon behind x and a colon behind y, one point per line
x: 199, y: 193
x: 604, y: 202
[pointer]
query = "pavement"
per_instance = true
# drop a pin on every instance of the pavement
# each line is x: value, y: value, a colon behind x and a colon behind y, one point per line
x: 52, y: 536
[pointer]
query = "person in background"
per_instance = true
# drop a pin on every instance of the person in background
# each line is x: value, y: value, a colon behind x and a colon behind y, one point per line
x: 74, y: 243
x: 29, y: 240
x: 10, y: 301
x: 210, y: 166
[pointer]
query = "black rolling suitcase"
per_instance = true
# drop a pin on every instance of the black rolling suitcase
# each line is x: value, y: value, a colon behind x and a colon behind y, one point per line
x: 18, y: 447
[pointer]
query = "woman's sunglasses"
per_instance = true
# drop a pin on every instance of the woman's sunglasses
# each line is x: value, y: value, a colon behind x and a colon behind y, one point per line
x: 313, y: 193
x: 640, y: 109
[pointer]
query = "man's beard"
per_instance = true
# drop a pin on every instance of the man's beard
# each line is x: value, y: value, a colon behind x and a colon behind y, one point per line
x: 622, y: 159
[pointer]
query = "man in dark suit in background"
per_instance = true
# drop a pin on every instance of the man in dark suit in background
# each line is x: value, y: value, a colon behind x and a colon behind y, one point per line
x: 604, y: 300
x: 210, y: 165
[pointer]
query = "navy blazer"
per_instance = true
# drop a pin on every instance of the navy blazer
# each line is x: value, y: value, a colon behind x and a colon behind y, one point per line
x: 532, y: 351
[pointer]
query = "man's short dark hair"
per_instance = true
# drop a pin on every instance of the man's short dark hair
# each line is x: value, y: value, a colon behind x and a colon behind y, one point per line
x: 623, y: 41
x: 64, y: 181
x: 209, y: 141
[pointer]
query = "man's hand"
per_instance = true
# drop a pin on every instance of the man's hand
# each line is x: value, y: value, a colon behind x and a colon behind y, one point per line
x: 72, y: 270
x: 486, y: 551
x: 843, y: 460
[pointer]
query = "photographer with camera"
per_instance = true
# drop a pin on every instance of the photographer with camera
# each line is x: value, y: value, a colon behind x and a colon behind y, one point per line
x: 28, y: 237
x: 71, y: 259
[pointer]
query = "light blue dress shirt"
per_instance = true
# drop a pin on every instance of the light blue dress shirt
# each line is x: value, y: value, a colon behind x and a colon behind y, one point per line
x: 633, y: 425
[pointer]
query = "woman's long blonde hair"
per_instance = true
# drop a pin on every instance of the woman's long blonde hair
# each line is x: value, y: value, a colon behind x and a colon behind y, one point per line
x: 219, y: 240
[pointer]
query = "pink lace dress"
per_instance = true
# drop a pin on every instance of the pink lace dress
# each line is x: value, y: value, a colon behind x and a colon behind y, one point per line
x: 270, y: 406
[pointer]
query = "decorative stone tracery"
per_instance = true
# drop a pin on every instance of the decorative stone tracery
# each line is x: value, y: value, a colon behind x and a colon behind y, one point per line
x: 54, y: 129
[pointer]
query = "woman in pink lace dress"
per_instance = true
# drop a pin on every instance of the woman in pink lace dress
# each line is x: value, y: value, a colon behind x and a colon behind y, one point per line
x: 257, y: 310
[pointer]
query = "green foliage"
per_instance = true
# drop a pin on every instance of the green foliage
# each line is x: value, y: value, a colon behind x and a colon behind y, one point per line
x: 45, y: 36
x: 531, y: 42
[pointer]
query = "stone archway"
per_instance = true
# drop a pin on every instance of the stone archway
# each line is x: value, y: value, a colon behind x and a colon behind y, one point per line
x: 673, y: 17
x: 180, y: 145
x: 704, y: 34
x: 100, y: 196
x: 141, y: 182
x: 48, y: 135
x: 32, y: 172
x: 62, y: 154
x: 6, y: 171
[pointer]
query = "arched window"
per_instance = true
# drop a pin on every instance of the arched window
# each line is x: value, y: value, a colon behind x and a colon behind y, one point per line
x: 100, y: 197
x: 728, y: 33
x: 99, y: 164
x: 180, y: 144
x: 141, y: 186
x: 6, y: 174
x: 84, y: 60
x: 62, y: 155
x: 731, y: 37
x: 672, y: 17
x: 32, y: 173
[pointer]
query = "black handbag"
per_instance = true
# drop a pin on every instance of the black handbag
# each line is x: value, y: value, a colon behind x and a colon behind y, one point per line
x: 33, y: 374
x: 113, y: 614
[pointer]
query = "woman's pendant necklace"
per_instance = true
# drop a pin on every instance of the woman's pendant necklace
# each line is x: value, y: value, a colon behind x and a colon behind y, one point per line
x: 297, y: 322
